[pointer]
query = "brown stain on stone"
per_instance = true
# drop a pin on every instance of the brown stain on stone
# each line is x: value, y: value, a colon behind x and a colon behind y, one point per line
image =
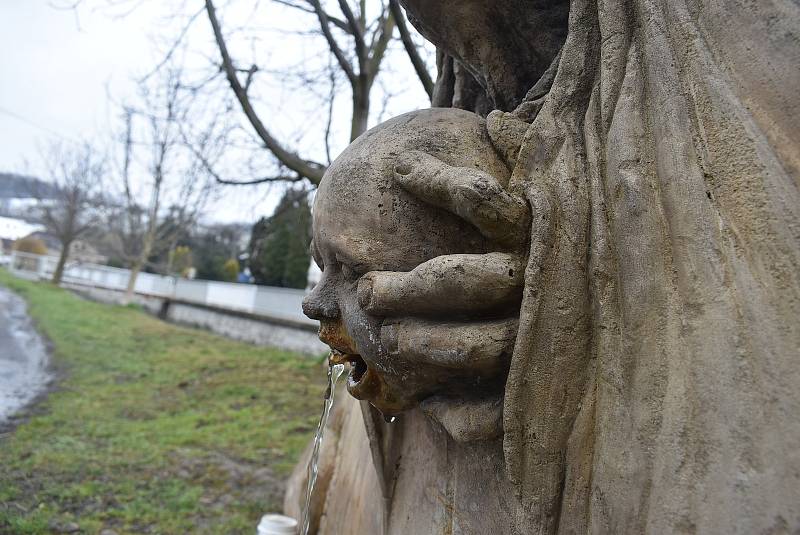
x: 370, y: 386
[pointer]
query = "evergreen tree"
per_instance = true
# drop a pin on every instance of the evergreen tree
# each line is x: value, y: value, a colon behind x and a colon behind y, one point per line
x: 279, y: 254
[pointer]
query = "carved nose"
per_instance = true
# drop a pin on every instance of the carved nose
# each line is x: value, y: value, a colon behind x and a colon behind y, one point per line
x: 316, y: 307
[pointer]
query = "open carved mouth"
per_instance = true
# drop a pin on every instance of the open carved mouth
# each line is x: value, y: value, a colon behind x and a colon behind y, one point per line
x: 361, y: 380
x: 358, y: 367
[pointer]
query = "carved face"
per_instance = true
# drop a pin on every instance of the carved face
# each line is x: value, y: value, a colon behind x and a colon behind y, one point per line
x: 363, y: 221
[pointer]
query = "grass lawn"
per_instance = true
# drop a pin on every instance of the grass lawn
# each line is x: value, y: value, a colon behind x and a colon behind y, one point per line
x: 152, y: 428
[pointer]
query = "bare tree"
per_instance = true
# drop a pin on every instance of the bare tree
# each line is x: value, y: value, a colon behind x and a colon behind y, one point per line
x: 171, y: 186
x: 355, y: 35
x: 357, y: 44
x: 69, y: 208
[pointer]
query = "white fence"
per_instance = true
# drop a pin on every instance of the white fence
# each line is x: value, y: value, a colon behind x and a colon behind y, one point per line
x: 279, y: 303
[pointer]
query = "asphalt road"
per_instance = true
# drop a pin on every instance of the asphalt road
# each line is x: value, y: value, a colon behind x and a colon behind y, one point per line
x: 23, y: 357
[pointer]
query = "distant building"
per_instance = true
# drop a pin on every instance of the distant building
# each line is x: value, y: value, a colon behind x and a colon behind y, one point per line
x: 12, y: 229
x: 81, y: 251
x: 84, y: 252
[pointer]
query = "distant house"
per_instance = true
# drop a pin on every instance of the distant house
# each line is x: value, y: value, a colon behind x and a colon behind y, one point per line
x: 81, y: 251
x: 12, y: 229
x: 6, y: 246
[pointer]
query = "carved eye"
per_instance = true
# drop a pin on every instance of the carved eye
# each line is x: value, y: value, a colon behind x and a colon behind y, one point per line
x: 349, y: 273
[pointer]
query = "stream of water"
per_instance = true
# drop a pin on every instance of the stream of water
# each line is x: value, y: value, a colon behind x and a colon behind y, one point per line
x: 335, y: 371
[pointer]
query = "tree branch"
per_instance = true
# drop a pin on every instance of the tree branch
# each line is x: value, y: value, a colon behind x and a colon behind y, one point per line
x: 311, y: 171
x: 250, y: 73
x: 329, y: 122
x: 339, y: 23
x: 326, y: 31
x: 357, y: 33
x: 379, y: 48
x: 411, y: 49
x: 174, y: 47
x: 263, y: 180
x: 211, y: 171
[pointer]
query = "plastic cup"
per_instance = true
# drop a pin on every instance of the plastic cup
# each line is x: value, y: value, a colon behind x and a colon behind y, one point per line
x: 277, y: 525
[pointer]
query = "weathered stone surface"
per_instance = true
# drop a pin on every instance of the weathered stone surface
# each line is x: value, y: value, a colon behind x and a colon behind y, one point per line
x: 505, y: 54
x: 652, y: 386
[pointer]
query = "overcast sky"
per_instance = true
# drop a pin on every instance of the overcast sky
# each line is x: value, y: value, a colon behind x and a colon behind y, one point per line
x: 58, y: 68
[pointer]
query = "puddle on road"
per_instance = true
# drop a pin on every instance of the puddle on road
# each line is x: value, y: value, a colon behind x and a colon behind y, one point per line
x: 23, y: 357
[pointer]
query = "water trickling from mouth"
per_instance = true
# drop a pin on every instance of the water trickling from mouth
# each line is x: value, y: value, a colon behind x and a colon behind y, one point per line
x: 335, y: 371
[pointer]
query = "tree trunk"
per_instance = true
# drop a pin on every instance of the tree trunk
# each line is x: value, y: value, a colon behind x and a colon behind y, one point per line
x: 360, y: 112
x: 62, y: 261
x: 135, y: 269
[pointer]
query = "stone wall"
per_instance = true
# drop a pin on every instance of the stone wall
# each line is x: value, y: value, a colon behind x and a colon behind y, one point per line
x: 251, y: 328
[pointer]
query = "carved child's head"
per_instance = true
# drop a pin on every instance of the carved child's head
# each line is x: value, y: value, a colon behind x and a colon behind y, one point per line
x: 365, y: 221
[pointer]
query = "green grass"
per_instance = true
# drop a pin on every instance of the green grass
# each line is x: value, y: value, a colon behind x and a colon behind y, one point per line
x: 152, y: 428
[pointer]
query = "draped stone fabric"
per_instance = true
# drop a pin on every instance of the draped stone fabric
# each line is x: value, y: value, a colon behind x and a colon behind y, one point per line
x: 667, y: 152
x: 655, y: 383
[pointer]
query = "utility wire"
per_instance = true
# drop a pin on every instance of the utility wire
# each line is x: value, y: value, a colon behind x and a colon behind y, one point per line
x: 36, y: 125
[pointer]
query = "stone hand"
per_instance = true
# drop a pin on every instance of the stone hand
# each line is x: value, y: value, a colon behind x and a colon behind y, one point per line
x: 466, y: 293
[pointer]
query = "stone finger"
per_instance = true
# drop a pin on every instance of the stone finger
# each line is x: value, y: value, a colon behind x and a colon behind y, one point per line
x: 506, y: 131
x: 468, y: 193
x: 482, y: 347
x: 462, y: 284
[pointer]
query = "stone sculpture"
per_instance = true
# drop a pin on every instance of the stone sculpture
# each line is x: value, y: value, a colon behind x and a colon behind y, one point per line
x: 421, y: 258
x: 637, y: 369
